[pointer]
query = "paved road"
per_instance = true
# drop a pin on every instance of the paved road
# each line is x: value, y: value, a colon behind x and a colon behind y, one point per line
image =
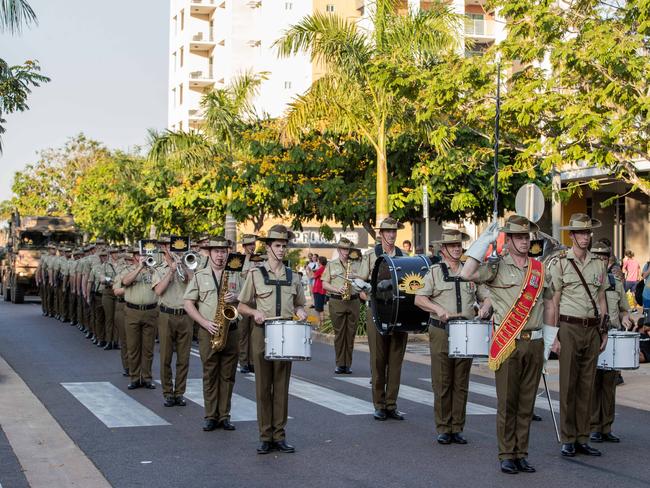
x: 135, y: 441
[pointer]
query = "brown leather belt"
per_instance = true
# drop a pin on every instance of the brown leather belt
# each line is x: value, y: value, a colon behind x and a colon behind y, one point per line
x: 437, y: 324
x: 149, y: 306
x: 583, y: 321
x: 172, y: 311
x: 339, y: 297
x: 120, y: 300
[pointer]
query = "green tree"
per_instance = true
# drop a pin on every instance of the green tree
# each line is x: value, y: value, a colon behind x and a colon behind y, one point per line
x: 361, y: 93
x: 581, y: 95
x: 14, y: 14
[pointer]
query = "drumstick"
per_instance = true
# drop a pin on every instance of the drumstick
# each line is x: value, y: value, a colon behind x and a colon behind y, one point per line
x: 550, y: 406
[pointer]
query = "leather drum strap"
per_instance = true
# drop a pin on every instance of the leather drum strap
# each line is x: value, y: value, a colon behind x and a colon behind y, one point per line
x: 584, y: 283
x: 278, y: 284
x: 457, y: 280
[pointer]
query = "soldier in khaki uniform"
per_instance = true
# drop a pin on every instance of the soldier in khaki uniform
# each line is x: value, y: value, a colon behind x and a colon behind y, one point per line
x: 125, y: 264
x: 259, y: 299
x: 219, y: 367
x: 64, y: 285
x: 141, y: 313
x: 81, y: 300
x: 603, y: 403
x: 72, y: 285
x: 581, y: 316
x: 246, y: 324
x: 518, y: 375
x: 445, y: 296
x: 57, y: 281
x: 174, y: 330
x: 96, y: 285
x: 48, y: 279
x: 343, y: 309
x: 109, y: 273
x: 89, y: 298
x: 386, y: 351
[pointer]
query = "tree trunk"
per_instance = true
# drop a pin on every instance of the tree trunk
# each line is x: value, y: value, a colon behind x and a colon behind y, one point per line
x: 370, y: 229
x: 381, y: 210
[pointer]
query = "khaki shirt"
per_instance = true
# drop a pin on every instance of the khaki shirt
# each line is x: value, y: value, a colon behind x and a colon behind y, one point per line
x: 89, y: 262
x: 616, y: 302
x: 255, y: 293
x: 443, y: 293
x: 173, y: 295
x: 368, y: 264
x: 204, y: 291
x: 504, y: 281
x: 140, y: 292
x: 98, y: 272
x: 574, y: 300
x: 122, y: 269
x: 335, y: 271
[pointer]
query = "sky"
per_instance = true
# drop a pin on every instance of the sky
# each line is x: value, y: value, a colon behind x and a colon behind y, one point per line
x: 109, y: 67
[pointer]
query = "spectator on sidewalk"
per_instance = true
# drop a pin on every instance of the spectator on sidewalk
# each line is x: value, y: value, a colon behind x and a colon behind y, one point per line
x: 644, y: 341
x: 318, y: 291
x: 631, y: 269
x: 407, y: 247
x: 309, y: 270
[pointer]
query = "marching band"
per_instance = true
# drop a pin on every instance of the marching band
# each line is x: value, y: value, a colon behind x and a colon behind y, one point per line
x: 511, y: 309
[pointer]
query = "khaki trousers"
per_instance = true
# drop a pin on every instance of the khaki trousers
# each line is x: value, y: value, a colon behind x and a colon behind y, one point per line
x: 175, y: 334
x: 517, y: 380
x: 42, y: 294
x: 603, y: 401
x: 49, y: 292
x: 271, y: 390
x: 450, y: 383
x: 386, y: 356
x: 344, y: 316
x: 72, y: 307
x: 121, y: 333
x: 88, y: 315
x: 108, y: 305
x: 140, y: 328
x: 578, y: 359
x: 80, y: 310
x: 99, y: 316
x: 245, y: 327
x: 219, y: 370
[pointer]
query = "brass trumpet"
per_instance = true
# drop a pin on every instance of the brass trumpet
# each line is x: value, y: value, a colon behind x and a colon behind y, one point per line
x: 191, y: 260
x: 150, y: 261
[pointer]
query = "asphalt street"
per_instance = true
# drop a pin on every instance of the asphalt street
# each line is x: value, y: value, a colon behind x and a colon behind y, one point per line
x: 338, y: 443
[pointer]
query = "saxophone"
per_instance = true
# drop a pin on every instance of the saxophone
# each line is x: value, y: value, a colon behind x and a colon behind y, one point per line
x: 224, y: 315
x: 347, y: 286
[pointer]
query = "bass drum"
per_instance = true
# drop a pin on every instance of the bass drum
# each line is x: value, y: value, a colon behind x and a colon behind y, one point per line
x: 394, y: 283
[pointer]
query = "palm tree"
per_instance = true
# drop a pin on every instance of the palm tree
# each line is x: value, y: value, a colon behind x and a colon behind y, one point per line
x: 14, y: 14
x: 361, y: 92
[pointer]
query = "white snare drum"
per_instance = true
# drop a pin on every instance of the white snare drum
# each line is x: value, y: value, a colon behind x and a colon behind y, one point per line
x: 469, y: 338
x: 287, y: 340
x: 621, y: 352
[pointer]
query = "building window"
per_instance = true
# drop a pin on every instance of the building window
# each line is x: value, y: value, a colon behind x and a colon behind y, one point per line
x: 475, y: 24
x: 181, y: 56
x: 175, y: 25
x: 180, y: 94
x: 329, y: 8
x: 287, y: 85
x: 174, y: 97
x: 182, y: 20
x: 288, y: 5
x: 174, y: 60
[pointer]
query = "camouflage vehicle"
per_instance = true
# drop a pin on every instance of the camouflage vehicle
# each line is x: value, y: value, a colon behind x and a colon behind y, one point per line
x: 26, y: 239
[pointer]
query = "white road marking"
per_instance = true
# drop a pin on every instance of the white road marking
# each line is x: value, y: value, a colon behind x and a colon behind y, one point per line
x: 333, y: 400
x: 112, y: 406
x: 491, y: 391
x: 423, y: 397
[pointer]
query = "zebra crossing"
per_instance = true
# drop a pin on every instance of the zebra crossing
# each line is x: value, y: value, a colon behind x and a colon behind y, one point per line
x: 116, y: 408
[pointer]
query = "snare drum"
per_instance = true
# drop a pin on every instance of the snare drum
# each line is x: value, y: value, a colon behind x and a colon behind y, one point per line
x: 469, y: 338
x: 287, y: 340
x: 621, y: 352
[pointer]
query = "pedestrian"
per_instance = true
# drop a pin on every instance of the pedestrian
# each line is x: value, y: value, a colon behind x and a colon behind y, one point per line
x: 631, y: 270
x: 318, y: 291
x: 407, y: 247
x: 644, y: 341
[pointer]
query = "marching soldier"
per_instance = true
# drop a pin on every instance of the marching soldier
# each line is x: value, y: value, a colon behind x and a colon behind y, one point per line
x: 202, y: 298
x: 272, y: 290
x: 125, y: 264
x: 246, y: 324
x: 174, y: 329
x: 72, y: 284
x: 445, y: 296
x: 386, y: 351
x: 604, y: 393
x: 106, y: 273
x: 521, y: 295
x: 579, y: 282
x: 64, y: 270
x: 89, y: 313
x: 344, y: 304
x: 141, y: 313
x: 96, y: 285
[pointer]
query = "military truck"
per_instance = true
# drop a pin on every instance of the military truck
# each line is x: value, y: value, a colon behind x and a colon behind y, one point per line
x: 26, y: 239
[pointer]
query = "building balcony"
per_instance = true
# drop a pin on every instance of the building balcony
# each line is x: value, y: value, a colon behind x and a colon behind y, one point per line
x: 203, y: 7
x: 479, y: 29
x: 202, y: 42
x: 201, y: 79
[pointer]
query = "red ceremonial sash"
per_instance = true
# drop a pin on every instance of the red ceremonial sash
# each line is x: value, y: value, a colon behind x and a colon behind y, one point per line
x: 503, y: 341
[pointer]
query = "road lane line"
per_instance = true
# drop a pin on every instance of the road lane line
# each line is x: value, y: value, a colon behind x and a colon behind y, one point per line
x: 331, y: 399
x: 112, y: 406
x: 491, y: 391
x: 423, y: 397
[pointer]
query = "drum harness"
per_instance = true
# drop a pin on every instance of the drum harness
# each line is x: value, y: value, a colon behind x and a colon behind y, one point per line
x: 457, y: 280
x: 278, y: 286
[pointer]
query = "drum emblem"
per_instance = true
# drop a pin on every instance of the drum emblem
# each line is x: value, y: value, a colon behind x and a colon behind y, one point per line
x: 411, y: 283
